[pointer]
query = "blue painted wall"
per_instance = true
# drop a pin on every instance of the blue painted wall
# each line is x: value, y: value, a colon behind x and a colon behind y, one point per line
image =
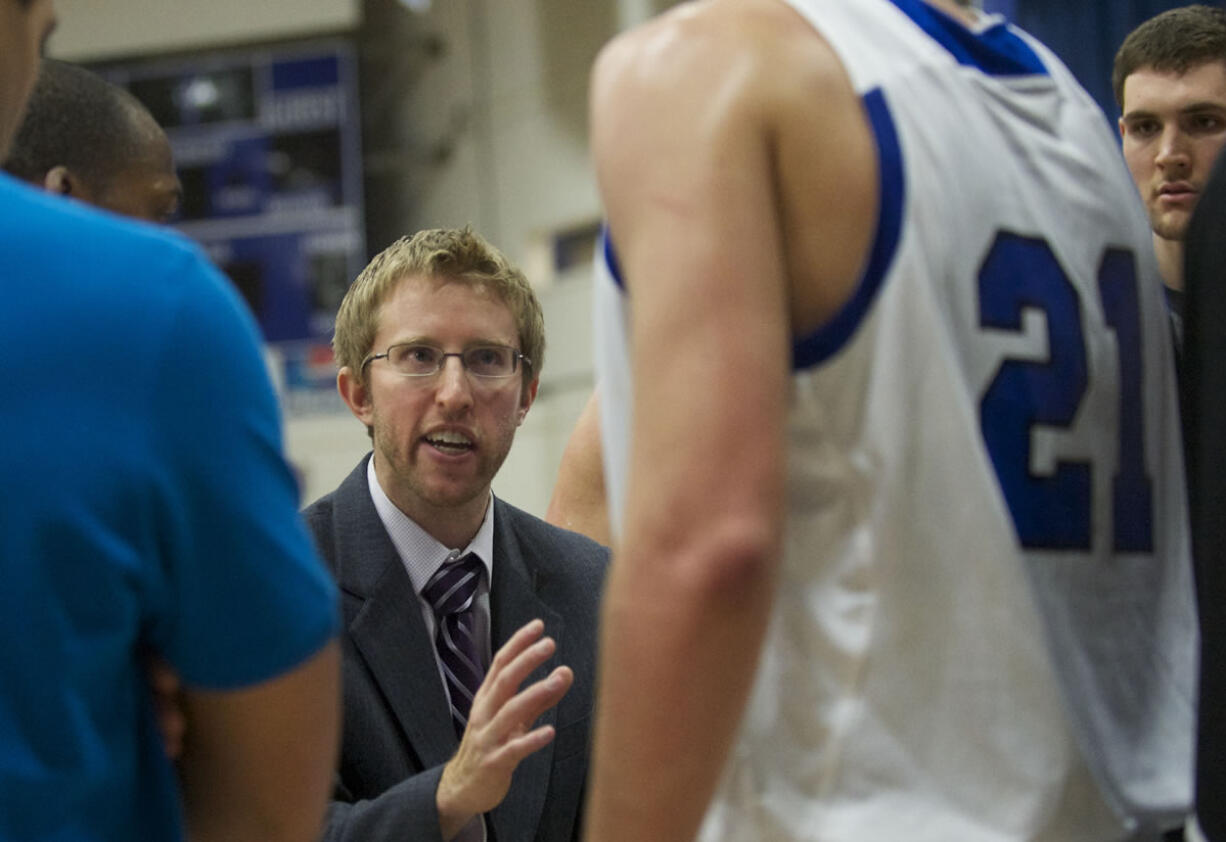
x: 1084, y: 34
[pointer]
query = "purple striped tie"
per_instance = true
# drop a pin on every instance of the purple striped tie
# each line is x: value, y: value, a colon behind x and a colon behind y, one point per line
x: 451, y: 591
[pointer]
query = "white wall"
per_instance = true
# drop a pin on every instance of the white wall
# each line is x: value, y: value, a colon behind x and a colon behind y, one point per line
x: 98, y: 29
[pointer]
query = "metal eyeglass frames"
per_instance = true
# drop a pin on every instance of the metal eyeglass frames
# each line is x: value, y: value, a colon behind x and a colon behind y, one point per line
x: 418, y: 359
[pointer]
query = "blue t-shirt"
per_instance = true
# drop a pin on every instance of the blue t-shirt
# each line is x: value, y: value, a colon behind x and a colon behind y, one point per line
x: 146, y: 507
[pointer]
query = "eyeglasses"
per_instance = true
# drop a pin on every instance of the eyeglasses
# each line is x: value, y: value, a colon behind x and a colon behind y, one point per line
x: 416, y: 359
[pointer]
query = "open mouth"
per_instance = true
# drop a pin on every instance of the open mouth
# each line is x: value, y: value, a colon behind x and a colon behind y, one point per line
x: 448, y: 442
x: 1176, y: 191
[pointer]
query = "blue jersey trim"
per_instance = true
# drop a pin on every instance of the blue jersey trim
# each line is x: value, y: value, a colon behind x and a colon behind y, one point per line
x: 996, y: 51
x: 828, y: 340
x: 610, y: 258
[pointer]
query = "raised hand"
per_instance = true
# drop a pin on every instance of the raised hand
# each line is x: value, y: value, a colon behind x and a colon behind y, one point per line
x: 499, y: 733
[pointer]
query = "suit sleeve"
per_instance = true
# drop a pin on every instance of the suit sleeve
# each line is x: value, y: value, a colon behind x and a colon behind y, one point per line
x: 404, y: 813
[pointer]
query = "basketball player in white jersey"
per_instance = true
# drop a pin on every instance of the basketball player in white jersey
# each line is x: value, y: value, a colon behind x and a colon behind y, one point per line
x: 891, y: 440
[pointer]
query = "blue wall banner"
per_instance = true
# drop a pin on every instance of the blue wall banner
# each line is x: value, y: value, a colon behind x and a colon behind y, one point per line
x: 267, y: 144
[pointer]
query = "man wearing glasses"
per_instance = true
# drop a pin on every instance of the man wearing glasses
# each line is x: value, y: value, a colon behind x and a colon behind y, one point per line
x: 440, y: 342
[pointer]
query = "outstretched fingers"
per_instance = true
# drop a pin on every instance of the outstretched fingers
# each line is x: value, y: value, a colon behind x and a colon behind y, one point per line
x: 527, y: 634
x: 512, y: 664
x: 500, y: 733
x: 515, y: 718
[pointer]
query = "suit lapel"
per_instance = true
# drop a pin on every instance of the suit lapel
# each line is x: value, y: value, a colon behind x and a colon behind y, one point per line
x: 514, y: 600
x: 387, y: 630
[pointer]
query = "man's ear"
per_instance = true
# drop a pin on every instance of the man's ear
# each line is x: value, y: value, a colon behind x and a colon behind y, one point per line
x: 61, y: 181
x: 355, y: 394
x: 1120, y: 123
x: 526, y: 396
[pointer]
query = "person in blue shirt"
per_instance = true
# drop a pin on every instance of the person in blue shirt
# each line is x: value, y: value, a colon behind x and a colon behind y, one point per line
x: 148, y: 510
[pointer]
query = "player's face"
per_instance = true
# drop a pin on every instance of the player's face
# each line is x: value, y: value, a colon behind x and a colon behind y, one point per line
x: 439, y: 440
x: 1173, y: 126
x: 24, y: 30
x: 149, y: 189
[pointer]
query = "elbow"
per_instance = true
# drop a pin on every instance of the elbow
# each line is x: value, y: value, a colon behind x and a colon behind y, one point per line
x: 730, y: 560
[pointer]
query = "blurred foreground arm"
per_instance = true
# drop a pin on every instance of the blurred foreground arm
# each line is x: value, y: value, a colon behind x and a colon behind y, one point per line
x: 686, y: 175
x: 701, y: 121
x: 257, y: 762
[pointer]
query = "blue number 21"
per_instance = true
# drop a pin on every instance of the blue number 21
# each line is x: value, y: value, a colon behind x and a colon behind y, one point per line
x: 1054, y: 511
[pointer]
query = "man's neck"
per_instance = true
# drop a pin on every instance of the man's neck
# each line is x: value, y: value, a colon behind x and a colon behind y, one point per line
x: 452, y: 526
x: 1170, y: 261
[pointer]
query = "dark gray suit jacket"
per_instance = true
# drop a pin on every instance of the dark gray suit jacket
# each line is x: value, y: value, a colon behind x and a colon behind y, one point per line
x: 397, y: 731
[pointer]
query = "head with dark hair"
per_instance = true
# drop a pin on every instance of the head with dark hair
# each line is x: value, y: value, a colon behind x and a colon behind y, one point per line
x: 86, y: 138
x: 1170, y: 82
x: 1171, y: 42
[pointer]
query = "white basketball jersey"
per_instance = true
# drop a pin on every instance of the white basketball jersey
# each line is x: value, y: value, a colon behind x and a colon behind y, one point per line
x: 984, y: 627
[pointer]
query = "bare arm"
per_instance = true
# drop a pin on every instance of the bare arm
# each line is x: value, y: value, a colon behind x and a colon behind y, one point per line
x: 737, y: 172
x: 686, y: 175
x: 257, y: 763
x: 578, y: 502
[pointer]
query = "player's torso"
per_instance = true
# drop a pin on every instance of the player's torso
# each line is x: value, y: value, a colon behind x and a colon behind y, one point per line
x: 983, y: 429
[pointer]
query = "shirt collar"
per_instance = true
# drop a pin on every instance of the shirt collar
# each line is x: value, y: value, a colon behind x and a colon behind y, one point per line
x: 422, y: 554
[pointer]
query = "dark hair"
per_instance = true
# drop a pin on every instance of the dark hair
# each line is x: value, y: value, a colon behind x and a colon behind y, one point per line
x: 77, y: 119
x: 1171, y: 42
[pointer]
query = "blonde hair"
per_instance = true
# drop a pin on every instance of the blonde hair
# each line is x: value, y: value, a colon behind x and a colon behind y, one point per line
x: 460, y: 255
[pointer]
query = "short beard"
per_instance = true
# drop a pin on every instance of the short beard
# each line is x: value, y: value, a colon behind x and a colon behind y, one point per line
x: 1174, y: 230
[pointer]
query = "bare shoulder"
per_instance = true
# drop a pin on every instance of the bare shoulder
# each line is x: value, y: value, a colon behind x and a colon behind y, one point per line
x: 745, y: 85
x: 754, y: 52
x: 714, y: 78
